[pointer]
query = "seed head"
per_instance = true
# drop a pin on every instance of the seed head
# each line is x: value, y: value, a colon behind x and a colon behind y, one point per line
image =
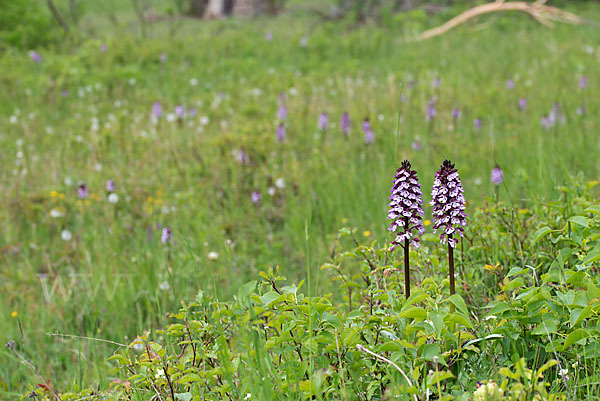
x: 448, y: 204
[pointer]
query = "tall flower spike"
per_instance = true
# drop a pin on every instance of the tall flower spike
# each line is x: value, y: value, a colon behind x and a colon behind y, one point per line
x: 448, y: 204
x: 406, y: 213
x: 406, y: 206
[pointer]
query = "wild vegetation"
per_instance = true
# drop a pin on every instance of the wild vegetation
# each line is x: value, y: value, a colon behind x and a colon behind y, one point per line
x: 199, y: 210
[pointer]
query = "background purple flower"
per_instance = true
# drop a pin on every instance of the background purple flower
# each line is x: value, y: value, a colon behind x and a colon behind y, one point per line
x: 103, y: 48
x: 345, y: 124
x: 497, y: 175
x: 280, y: 133
x: 82, y: 191
x: 406, y: 206
x: 165, y: 236
x: 416, y: 145
x: 431, y: 112
x: 111, y: 186
x: 323, y: 121
x: 583, y: 82
x: 456, y: 114
x: 448, y: 204
x: 35, y: 56
x: 510, y: 84
x: 437, y: 82
x: 256, y: 196
x: 522, y: 103
x: 282, y: 112
x: 369, y: 135
x: 180, y: 111
x: 157, y: 109
x: 269, y: 36
x: 163, y: 57
x: 477, y: 123
x: 580, y: 110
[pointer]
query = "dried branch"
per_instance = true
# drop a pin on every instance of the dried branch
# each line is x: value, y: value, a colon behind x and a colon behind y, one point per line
x: 538, y: 11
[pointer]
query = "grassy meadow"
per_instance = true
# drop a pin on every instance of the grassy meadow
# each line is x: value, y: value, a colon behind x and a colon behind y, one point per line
x: 184, y: 121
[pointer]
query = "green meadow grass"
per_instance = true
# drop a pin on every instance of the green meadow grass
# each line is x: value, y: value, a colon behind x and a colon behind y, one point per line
x: 183, y: 173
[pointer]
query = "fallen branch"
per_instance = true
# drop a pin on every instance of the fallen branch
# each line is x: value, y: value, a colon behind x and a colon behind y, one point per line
x: 539, y: 11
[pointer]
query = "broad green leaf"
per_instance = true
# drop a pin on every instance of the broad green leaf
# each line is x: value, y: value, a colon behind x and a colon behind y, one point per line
x: 414, y: 312
x: 190, y: 378
x: 459, y: 302
x: 575, y: 336
x: 184, y: 396
x: 582, y: 221
x: 439, y: 376
x: 541, y: 233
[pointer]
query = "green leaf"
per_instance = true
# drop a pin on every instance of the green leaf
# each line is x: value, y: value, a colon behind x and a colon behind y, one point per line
x: 592, y: 256
x: 438, y: 377
x: 414, y: 312
x: 184, y: 396
x: 459, y: 302
x: 593, y: 209
x: 430, y: 351
x: 582, y: 221
x: 541, y: 233
x: 516, y: 271
x: 269, y: 297
x: 575, y: 336
x: 190, y: 378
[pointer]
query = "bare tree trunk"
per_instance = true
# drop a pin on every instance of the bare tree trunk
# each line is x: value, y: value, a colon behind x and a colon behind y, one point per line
x: 57, y: 16
x: 215, y: 9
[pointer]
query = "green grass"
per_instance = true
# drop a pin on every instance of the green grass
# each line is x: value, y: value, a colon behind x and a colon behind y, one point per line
x: 183, y: 174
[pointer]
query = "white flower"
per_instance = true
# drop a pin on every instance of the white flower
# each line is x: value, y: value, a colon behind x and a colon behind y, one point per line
x: 66, y: 235
x: 159, y: 373
x: 247, y: 397
x: 113, y: 198
x: 98, y: 167
x: 13, y: 119
x: 131, y: 81
x: 55, y: 213
x: 280, y: 183
x: 68, y: 181
x: 164, y: 286
x: 212, y: 255
x: 193, y: 82
x: 204, y: 120
x: 171, y: 117
x: 271, y: 191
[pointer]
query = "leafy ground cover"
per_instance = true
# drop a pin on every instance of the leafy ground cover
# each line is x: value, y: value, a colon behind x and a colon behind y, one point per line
x: 218, y: 133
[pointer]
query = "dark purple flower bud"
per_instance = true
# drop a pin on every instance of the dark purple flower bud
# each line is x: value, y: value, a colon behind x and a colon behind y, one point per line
x: 35, y: 56
x: 256, y: 196
x: 406, y: 206
x: 431, y: 112
x: 583, y: 82
x: 180, y: 111
x: 282, y: 112
x: 416, y: 145
x: 448, y: 204
x: 523, y: 103
x: 111, y: 186
x: 456, y: 114
x: 280, y: 132
x: 345, y: 124
x: 103, y: 48
x: 369, y: 135
x: 510, y: 84
x: 82, y: 191
x: 497, y: 175
x: 157, y: 109
x: 165, y: 236
x: 323, y: 121
x: 477, y: 123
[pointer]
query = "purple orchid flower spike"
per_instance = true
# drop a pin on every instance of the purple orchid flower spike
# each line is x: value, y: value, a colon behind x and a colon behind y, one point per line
x: 449, y: 207
x: 323, y: 121
x: 82, y: 191
x: 345, y: 124
x: 280, y: 133
x: 369, y: 135
x: 165, y: 235
x: 406, y: 213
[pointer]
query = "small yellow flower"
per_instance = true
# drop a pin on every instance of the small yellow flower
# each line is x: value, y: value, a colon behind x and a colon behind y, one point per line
x: 149, y: 199
x: 344, y: 220
x: 61, y: 196
x: 427, y: 223
x: 367, y: 233
x: 14, y: 314
x: 53, y: 194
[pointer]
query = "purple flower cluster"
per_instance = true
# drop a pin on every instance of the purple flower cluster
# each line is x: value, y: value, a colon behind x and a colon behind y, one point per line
x: 369, y: 135
x: 497, y: 175
x: 323, y: 121
x: 406, y: 206
x: 345, y: 124
x: 448, y: 204
x: 82, y: 191
x: 431, y: 112
x: 280, y: 132
x: 165, y: 236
